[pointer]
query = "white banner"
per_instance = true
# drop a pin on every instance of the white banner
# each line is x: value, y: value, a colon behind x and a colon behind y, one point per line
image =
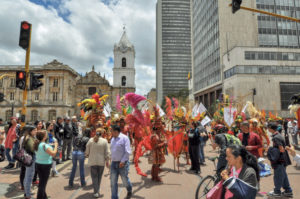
x: 161, y: 112
x: 195, y: 111
x: 228, y: 115
x: 201, y: 109
x: 205, y: 121
x: 107, y: 110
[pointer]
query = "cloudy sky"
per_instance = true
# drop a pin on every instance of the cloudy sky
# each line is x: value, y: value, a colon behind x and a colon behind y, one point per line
x: 81, y: 33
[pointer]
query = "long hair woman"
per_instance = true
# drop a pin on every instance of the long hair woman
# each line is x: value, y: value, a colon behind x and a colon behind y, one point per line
x: 44, y: 154
x: 52, y: 140
x: 243, y: 166
x: 97, y: 151
x: 28, y: 143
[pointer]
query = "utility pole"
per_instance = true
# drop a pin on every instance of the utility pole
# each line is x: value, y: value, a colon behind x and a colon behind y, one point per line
x: 25, y: 43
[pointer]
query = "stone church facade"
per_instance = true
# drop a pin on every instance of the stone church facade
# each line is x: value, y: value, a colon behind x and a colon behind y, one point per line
x: 63, y: 87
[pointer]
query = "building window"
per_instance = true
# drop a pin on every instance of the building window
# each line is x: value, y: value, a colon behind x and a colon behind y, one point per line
x: 1, y: 83
x: 92, y: 90
x: 34, y: 115
x: 36, y: 97
x: 12, y: 96
x: 287, y: 90
x: 123, y: 81
x: 55, y: 97
x: 123, y: 62
x: 8, y: 115
x: 55, y: 82
x: 12, y: 82
x: 52, y: 115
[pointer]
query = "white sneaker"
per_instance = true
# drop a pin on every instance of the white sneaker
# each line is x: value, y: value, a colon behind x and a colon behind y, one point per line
x: 96, y: 195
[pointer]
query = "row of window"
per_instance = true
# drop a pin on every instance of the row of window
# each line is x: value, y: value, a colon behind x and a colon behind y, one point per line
x: 275, y: 70
x: 34, y: 115
x: 36, y: 96
x: 13, y: 82
x: 280, y: 56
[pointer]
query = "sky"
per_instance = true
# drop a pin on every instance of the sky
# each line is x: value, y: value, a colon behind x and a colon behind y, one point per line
x: 81, y: 33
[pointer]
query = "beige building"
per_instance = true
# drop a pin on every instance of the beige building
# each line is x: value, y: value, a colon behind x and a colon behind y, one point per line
x: 152, y: 95
x: 246, y: 55
x: 63, y: 87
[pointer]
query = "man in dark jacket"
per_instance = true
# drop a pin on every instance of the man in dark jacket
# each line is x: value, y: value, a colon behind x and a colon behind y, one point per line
x: 250, y: 140
x: 280, y: 176
x: 194, y: 143
x: 59, y: 133
x: 67, y: 142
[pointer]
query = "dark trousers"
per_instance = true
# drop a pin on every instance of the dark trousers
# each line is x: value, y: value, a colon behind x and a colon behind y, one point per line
x: 194, y: 155
x: 96, y: 174
x: 35, y: 175
x: 43, y: 172
x: 67, y: 146
x: 22, y: 175
x: 281, y: 179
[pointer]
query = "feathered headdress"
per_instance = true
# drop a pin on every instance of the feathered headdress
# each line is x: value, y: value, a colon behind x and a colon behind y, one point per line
x: 169, y: 108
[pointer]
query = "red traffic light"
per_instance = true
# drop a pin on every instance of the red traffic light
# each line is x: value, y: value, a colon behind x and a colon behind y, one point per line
x: 21, y: 75
x: 25, y: 25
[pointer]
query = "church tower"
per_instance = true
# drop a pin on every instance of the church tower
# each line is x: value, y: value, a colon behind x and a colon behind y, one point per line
x: 124, y: 57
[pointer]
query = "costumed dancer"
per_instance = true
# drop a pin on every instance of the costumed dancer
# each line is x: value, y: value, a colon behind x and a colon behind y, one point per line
x: 158, y: 143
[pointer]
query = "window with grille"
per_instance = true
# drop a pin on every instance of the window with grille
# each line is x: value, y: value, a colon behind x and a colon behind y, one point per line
x: 123, y: 62
x: 287, y: 90
x: 34, y: 115
x: 123, y: 81
x: 55, y: 97
x: 55, y: 82
x: 92, y: 90
x: 12, y: 82
x: 36, y: 97
x: 52, y: 115
x: 12, y: 96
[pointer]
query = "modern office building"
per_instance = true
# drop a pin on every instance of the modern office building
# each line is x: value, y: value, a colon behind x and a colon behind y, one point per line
x: 173, y: 46
x: 242, y: 52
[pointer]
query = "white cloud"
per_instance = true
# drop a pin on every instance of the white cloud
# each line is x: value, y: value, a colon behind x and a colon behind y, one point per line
x: 85, y: 39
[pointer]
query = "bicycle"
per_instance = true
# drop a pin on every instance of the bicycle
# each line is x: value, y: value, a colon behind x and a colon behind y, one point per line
x: 207, y: 183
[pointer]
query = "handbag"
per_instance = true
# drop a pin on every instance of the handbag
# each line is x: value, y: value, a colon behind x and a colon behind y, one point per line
x: 23, y: 157
x: 216, y: 191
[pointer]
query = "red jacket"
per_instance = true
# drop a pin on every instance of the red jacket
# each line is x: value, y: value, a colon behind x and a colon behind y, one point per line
x: 254, y: 141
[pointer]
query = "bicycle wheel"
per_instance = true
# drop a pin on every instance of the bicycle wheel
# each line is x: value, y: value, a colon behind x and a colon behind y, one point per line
x: 204, y: 186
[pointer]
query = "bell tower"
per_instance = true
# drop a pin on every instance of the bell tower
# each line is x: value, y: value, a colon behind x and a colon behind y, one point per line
x: 124, y: 57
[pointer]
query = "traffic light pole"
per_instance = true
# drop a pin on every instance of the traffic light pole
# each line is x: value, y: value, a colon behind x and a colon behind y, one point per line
x: 27, y: 81
x: 268, y: 13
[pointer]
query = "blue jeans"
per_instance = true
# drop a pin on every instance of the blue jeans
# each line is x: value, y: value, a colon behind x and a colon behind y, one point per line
x: 281, y: 179
x: 29, y: 173
x: 77, y: 156
x: 115, y: 171
x: 10, y: 158
x: 201, y: 153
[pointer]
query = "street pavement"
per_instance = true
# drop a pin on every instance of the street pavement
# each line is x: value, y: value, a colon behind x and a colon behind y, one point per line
x: 176, y: 185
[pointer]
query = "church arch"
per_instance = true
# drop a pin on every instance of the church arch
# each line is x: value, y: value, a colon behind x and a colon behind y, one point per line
x: 124, y: 62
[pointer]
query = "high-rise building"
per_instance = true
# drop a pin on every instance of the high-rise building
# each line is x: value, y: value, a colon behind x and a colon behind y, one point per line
x: 173, y: 46
x: 249, y: 56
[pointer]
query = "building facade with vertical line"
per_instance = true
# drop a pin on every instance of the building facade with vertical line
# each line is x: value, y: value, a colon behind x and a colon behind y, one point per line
x: 250, y: 56
x: 173, y: 46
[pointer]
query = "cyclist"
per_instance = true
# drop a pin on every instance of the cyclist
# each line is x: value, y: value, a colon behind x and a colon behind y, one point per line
x: 223, y: 140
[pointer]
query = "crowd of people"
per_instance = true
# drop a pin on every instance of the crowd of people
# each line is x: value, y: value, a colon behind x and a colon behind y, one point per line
x: 111, y: 141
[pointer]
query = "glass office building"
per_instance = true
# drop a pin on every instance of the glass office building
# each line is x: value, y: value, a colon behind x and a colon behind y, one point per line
x: 173, y: 46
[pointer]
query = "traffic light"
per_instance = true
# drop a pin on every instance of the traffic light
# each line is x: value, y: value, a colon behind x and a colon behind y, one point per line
x: 24, y: 35
x: 21, y: 80
x: 35, y: 81
x: 1, y: 97
x: 236, y: 5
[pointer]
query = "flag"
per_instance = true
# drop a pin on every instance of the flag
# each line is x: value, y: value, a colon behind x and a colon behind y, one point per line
x: 161, y: 112
x: 201, y: 109
x: 195, y: 111
x: 228, y: 115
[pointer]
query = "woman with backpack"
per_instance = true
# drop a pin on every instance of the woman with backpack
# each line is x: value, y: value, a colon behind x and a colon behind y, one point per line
x: 44, y: 154
x: 28, y: 144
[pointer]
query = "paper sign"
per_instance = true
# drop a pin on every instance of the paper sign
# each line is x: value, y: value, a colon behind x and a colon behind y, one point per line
x: 205, y: 121
x: 201, y: 109
x: 195, y: 111
x: 228, y: 115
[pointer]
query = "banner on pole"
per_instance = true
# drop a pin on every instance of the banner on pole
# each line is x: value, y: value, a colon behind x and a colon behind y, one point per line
x: 228, y: 115
x: 195, y: 111
x: 201, y: 109
x: 205, y: 121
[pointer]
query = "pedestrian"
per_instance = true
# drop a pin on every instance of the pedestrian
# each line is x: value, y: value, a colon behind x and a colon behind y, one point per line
x: 39, y: 125
x: 279, y: 164
x: 203, y: 138
x: 250, y: 140
x: 194, y: 143
x: 52, y: 140
x: 242, y: 165
x: 67, y: 142
x: 79, y: 146
x: 98, y: 152
x: 28, y: 143
x: 75, y: 127
x: 295, y: 156
x: 10, y: 142
x: 59, y: 134
x: 294, y: 133
x: 44, y: 154
x: 120, y: 151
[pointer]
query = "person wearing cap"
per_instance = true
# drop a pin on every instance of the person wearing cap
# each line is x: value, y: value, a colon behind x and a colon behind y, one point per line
x: 11, y: 139
x: 97, y: 150
x: 279, y: 165
x: 250, y: 140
